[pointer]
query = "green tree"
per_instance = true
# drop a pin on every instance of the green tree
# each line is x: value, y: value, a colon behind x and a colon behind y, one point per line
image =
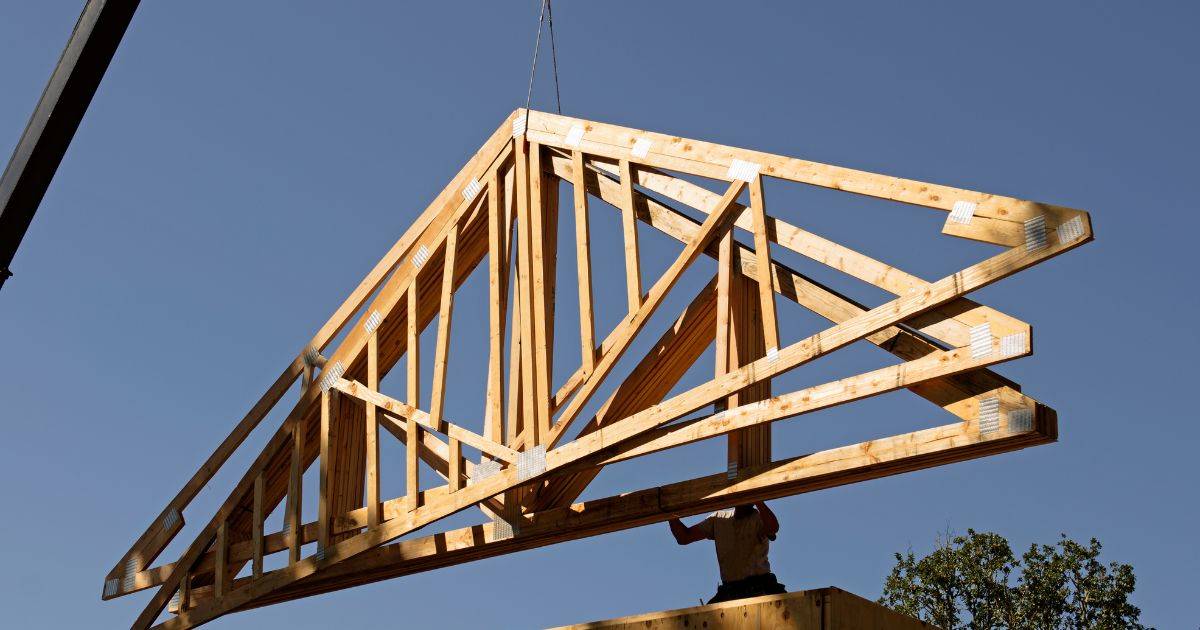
x: 966, y: 582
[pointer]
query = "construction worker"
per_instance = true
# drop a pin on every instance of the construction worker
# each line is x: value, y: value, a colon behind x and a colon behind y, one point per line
x: 743, y: 536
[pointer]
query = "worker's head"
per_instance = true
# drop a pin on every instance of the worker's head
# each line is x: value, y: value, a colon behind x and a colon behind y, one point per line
x: 743, y: 510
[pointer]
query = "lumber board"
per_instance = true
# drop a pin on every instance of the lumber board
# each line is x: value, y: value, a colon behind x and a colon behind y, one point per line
x: 541, y: 262
x: 762, y: 255
x: 583, y: 261
x: 498, y: 264
x: 633, y: 273
x: 372, y: 435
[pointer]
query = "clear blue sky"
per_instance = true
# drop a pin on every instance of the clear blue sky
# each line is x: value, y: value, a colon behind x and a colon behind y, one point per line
x: 244, y: 163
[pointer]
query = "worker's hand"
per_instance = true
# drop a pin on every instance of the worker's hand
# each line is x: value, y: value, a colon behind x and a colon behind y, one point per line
x: 682, y: 533
x: 770, y: 523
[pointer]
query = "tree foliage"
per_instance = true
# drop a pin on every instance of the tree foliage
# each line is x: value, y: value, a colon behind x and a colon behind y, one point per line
x: 967, y: 582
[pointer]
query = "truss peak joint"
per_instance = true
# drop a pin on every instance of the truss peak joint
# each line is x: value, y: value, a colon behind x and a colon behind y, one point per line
x: 519, y: 124
x: 743, y: 170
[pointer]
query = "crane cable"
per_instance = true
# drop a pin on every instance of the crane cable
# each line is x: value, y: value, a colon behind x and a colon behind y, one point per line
x: 547, y: 15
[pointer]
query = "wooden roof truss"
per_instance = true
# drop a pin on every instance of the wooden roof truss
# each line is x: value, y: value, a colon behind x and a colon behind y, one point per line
x: 503, y: 207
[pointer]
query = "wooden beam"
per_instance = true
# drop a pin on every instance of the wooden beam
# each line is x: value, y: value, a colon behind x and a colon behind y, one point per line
x: 525, y: 289
x: 725, y: 262
x: 325, y: 494
x: 295, y: 502
x: 372, y: 433
x: 541, y: 261
x: 222, y: 551
x: 257, y: 536
x: 413, y: 383
x: 497, y: 300
x: 583, y: 259
x: 185, y: 592
x: 442, y: 352
x: 412, y: 464
x: 516, y: 354
x: 347, y: 457
x: 762, y: 254
x: 455, y: 464
x: 633, y: 273
x: 751, y: 445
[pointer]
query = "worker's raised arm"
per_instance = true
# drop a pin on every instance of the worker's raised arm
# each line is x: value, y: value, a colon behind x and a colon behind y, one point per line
x: 685, y: 535
x: 770, y: 523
